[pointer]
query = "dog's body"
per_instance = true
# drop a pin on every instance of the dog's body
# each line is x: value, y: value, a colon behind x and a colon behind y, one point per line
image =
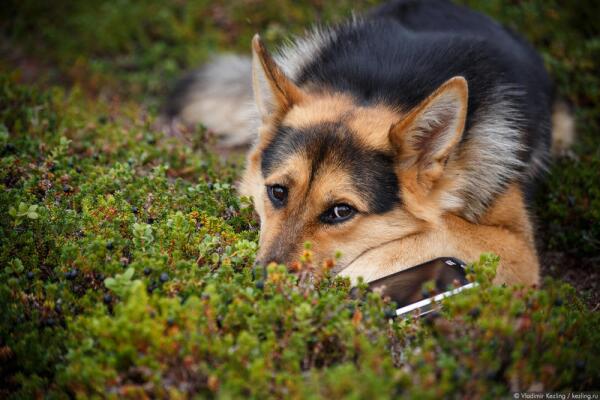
x: 410, y: 134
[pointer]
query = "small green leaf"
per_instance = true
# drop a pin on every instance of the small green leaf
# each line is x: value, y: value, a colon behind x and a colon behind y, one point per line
x: 23, y: 208
x: 128, y: 274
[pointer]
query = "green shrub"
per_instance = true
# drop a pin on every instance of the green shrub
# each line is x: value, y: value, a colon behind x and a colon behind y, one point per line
x: 240, y: 336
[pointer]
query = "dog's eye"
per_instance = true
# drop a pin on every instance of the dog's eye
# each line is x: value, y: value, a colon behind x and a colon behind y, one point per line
x: 278, y: 195
x: 338, y: 213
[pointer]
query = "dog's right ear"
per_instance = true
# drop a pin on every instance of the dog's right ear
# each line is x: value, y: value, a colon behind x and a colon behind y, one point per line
x: 274, y: 92
x: 424, y: 141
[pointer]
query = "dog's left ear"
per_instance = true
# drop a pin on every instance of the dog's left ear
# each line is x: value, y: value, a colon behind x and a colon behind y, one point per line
x: 274, y: 92
x: 426, y: 136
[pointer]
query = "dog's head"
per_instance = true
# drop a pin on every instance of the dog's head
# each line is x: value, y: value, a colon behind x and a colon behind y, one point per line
x: 343, y: 176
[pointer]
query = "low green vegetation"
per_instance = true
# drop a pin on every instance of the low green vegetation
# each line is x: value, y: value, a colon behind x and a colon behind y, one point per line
x: 126, y: 256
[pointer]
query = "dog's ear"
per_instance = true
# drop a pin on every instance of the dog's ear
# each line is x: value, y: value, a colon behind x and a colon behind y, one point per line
x: 424, y: 139
x: 274, y: 92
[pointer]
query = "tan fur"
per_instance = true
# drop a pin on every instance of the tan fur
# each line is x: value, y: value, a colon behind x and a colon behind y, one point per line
x: 422, y: 227
x: 372, y: 123
x: 320, y: 108
x: 505, y: 231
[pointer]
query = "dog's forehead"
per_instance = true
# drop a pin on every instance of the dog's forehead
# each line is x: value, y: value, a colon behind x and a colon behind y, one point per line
x: 370, y: 123
x: 330, y: 148
x: 326, y: 144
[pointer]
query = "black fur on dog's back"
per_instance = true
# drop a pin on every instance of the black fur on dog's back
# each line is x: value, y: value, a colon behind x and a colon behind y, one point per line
x: 404, y: 50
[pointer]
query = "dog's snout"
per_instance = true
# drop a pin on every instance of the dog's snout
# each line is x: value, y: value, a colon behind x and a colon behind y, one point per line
x: 280, y: 250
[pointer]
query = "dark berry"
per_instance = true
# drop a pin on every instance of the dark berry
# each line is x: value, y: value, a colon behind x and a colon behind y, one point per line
x: 9, y: 148
x: 491, y: 375
x: 455, y: 375
x: 150, y: 220
x: 147, y: 271
x: 170, y: 321
x: 67, y: 188
x: 134, y: 209
x: 558, y: 302
x: 389, y: 313
x: 109, y: 245
x: 30, y: 275
x: 164, y: 277
x: 58, y: 308
x: 260, y: 285
x: 71, y: 274
x: 150, y: 288
x: 107, y: 299
x: 475, y: 312
x: 78, y: 170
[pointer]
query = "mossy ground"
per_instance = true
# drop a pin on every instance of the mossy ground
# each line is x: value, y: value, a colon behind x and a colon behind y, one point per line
x: 125, y: 255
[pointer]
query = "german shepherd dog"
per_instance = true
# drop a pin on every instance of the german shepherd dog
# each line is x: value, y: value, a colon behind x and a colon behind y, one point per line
x: 413, y: 132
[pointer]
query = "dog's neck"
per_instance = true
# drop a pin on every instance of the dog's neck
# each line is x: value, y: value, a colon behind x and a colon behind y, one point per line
x: 504, y: 230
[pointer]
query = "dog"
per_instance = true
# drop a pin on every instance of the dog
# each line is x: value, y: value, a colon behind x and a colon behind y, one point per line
x: 415, y: 131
